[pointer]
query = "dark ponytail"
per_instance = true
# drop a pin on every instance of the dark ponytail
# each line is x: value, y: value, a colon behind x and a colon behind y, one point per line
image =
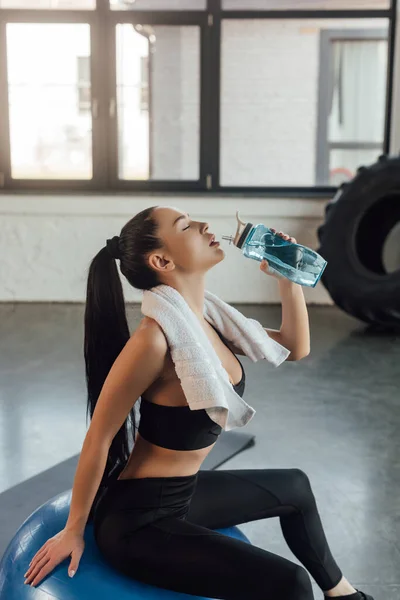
x: 106, y: 326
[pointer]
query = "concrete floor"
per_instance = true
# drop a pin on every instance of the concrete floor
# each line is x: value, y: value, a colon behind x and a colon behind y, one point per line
x: 335, y: 415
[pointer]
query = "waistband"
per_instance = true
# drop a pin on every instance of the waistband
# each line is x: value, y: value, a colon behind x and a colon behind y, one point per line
x: 137, y: 480
x: 148, y: 493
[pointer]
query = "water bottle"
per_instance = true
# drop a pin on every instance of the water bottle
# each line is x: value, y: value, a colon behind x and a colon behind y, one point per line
x: 293, y: 261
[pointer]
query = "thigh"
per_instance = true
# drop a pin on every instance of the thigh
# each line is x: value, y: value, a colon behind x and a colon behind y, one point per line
x: 176, y: 554
x: 229, y: 497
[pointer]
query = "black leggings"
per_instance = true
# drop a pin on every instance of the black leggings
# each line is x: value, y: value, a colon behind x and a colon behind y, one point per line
x: 160, y: 531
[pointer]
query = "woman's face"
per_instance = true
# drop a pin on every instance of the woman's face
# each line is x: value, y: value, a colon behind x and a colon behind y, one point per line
x: 186, y: 243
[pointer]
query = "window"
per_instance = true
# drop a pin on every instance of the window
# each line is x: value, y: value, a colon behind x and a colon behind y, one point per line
x: 269, y: 100
x: 161, y: 142
x: 353, y: 68
x: 265, y: 96
x: 50, y: 136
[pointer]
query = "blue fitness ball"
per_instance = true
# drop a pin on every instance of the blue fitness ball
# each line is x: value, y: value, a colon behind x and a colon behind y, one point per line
x: 95, y: 578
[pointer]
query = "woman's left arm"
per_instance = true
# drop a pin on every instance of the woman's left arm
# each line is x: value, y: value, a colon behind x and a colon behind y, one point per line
x: 294, y: 333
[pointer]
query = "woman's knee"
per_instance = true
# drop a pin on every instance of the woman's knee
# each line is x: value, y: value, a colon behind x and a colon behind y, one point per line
x: 301, y: 586
x: 301, y: 490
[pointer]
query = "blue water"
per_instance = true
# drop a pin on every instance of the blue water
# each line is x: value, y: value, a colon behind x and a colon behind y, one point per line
x: 293, y: 261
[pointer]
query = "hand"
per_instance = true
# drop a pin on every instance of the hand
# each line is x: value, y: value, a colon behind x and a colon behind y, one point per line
x: 55, y: 550
x: 264, y: 265
x: 285, y: 236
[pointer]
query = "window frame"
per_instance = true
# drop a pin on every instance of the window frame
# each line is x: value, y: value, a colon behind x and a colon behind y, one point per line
x: 325, y: 77
x: 102, y: 21
x: 188, y: 18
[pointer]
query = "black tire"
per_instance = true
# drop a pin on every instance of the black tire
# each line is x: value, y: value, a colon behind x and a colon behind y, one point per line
x: 357, y: 222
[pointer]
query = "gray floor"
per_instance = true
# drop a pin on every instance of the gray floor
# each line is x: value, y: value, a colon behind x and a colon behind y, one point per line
x: 336, y: 415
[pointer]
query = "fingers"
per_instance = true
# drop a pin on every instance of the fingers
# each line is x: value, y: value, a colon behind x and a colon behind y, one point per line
x: 42, y: 573
x: 40, y: 552
x: 38, y: 555
x: 285, y: 236
x: 38, y: 570
x: 36, y: 566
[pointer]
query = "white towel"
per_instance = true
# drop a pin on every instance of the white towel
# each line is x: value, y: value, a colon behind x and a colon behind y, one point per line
x: 204, y: 380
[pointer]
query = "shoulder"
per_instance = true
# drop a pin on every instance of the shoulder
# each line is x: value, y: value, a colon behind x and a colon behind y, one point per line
x: 145, y: 351
x: 150, y: 335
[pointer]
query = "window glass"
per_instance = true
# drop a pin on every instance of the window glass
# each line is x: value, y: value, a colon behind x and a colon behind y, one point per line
x: 53, y: 4
x: 158, y: 4
x: 49, y: 100
x: 270, y: 98
x: 305, y: 4
x: 158, y: 101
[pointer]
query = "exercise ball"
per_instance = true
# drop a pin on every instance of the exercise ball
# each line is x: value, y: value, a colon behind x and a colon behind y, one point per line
x: 95, y: 578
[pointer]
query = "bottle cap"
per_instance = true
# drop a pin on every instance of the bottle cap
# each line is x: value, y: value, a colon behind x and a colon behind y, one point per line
x: 241, y: 234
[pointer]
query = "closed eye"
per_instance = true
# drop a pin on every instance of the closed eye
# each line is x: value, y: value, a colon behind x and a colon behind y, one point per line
x: 186, y: 228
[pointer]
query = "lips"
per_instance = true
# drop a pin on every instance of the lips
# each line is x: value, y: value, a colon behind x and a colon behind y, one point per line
x: 212, y: 239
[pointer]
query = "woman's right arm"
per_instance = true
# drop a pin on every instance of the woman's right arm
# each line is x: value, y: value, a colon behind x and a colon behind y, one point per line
x: 88, y: 474
x: 137, y: 366
x: 135, y: 369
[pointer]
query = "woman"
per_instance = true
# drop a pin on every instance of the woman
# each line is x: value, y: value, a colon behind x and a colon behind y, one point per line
x: 154, y: 511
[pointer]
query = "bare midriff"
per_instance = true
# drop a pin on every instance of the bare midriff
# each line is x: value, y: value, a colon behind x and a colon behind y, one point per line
x: 149, y: 460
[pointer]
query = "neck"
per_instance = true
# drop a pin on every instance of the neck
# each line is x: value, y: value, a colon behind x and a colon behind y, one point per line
x: 192, y: 290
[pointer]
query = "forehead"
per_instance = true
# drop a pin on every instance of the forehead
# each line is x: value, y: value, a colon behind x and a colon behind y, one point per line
x: 167, y: 214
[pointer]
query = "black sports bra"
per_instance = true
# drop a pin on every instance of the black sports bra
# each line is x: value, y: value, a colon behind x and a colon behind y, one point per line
x: 179, y: 427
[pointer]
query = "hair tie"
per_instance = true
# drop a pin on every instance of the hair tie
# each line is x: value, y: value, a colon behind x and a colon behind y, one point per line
x: 113, y: 247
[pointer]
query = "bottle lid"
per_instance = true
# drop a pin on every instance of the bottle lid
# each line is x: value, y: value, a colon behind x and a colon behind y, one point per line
x: 241, y: 234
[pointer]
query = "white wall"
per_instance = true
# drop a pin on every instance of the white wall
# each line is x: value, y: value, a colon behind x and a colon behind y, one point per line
x: 47, y: 242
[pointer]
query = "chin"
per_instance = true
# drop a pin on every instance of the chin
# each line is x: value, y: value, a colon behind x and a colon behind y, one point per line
x: 219, y: 256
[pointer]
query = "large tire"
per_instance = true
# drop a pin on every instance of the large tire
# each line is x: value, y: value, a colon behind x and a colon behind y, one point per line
x: 357, y: 222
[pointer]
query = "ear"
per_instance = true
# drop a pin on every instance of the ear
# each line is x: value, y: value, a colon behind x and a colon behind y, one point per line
x: 161, y: 263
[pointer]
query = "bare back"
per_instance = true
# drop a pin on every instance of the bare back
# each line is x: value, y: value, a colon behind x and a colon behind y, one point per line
x: 149, y: 460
